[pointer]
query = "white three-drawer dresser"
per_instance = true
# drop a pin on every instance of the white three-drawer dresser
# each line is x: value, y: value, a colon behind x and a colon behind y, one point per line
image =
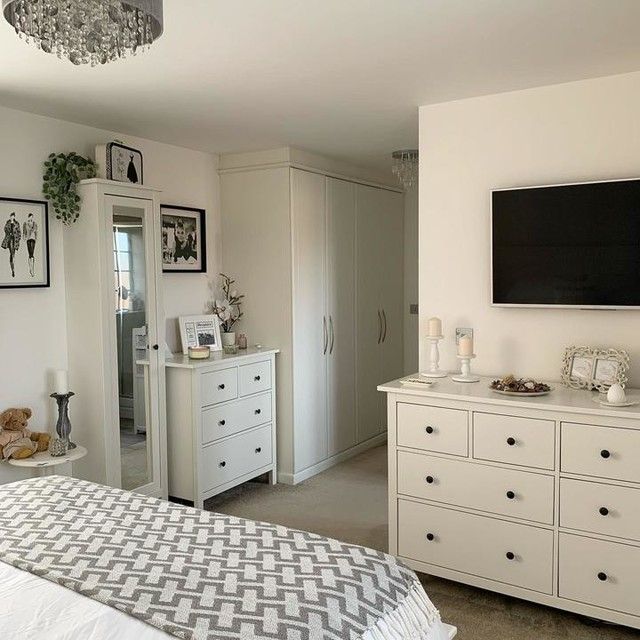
x: 221, y: 422
x: 538, y: 498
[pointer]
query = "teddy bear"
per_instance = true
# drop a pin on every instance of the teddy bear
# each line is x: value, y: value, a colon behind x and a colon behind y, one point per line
x: 16, y: 441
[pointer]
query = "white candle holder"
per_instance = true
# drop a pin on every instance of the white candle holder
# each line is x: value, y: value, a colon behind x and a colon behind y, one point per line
x: 465, y: 370
x: 434, y: 359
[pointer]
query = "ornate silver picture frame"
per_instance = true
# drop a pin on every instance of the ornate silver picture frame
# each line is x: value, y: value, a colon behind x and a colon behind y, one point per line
x: 589, y: 368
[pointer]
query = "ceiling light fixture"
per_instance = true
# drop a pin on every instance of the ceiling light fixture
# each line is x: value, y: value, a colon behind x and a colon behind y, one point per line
x: 86, y: 31
x: 405, y: 167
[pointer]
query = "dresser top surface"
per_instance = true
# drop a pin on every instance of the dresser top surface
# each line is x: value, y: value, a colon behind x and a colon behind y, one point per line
x: 561, y: 398
x: 178, y: 360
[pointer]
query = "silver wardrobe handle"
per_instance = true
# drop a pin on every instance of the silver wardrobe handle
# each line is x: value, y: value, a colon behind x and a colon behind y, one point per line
x: 333, y: 337
x: 324, y: 331
x: 384, y: 317
x: 379, y: 327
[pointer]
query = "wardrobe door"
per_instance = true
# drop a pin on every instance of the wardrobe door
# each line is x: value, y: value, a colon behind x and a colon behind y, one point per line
x: 391, y: 289
x: 137, y: 444
x: 369, y: 255
x: 341, y: 229
x: 310, y: 322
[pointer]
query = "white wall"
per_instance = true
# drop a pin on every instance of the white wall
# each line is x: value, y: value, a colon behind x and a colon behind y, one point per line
x: 571, y: 132
x: 410, y: 279
x: 32, y: 321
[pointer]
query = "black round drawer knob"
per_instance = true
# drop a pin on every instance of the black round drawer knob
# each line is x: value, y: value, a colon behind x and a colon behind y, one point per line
x: 430, y: 537
x: 429, y: 429
x: 223, y: 464
x: 258, y: 449
x: 258, y: 412
x: 221, y: 386
x: 511, y: 495
x: 257, y: 378
x: 510, y: 555
x: 156, y: 347
x: 602, y: 576
x: 511, y: 441
x: 603, y: 511
x: 222, y: 423
x: 429, y: 479
x: 605, y: 454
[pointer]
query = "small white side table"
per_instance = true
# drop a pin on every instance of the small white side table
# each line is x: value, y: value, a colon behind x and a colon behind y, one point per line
x: 47, y: 465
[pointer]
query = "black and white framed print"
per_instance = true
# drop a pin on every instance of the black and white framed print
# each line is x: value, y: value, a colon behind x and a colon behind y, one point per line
x: 184, y: 247
x: 24, y: 243
x: 200, y: 331
x: 124, y: 164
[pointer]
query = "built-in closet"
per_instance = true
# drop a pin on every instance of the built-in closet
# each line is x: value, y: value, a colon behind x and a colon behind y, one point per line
x: 319, y: 255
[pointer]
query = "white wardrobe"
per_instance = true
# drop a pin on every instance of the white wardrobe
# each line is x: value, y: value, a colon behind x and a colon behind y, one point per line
x: 115, y: 328
x: 320, y: 259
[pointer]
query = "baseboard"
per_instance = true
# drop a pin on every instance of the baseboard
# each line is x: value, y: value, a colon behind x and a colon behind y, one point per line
x: 295, y: 478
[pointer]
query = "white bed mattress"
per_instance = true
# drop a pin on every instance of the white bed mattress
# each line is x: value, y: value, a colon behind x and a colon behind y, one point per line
x: 36, y: 609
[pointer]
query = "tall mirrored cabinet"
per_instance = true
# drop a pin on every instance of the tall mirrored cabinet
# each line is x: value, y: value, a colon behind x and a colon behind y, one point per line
x: 115, y: 328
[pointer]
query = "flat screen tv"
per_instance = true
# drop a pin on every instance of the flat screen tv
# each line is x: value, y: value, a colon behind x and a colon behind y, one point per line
x: 572, y: 245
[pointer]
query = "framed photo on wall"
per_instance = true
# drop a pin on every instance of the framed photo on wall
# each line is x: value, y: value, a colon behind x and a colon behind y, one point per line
x: 184, y: 240
x: 200, y: 331
x: 24, y: 243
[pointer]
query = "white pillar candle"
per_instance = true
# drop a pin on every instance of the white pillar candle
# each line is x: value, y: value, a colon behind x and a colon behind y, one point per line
x: 465, y: 346
x: 61, y: 382
x: 434, y: 327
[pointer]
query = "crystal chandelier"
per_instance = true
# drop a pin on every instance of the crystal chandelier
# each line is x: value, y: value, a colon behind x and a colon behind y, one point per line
x: 405, y: 167
x: 86, y: 31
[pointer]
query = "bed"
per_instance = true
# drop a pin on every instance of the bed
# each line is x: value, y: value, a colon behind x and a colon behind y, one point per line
x: 83, y: 561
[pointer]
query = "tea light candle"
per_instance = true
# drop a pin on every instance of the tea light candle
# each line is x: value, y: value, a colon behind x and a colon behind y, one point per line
x: 434, y: 327
x: 61, y: 382
x: 199, y: 353
x: 465, y: 346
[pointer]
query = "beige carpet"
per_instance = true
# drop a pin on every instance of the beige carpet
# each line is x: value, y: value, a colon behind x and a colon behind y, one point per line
x: 349, y: 502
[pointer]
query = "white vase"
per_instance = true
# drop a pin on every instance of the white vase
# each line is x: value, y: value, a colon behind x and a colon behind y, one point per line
x: 228, y: 339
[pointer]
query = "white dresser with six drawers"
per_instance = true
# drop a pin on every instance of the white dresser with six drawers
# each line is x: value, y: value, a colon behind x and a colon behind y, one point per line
x: 538, y: 498
x: 221, y: 422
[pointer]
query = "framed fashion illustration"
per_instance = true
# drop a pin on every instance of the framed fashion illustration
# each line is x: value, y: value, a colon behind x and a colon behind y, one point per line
x: 184, y: 241
x: 122, y: 163
x: 24, y: 243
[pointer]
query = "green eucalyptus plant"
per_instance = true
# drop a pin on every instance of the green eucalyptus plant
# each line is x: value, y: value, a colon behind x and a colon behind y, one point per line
x: 62, y: 172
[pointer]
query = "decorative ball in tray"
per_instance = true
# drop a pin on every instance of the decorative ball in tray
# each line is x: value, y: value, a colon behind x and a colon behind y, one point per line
x: 512, y: 386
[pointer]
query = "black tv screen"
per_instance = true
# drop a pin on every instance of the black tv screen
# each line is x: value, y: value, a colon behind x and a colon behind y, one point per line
x: 571, y: 245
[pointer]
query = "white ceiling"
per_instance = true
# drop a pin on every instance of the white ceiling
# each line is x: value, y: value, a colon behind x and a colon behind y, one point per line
x: 339, y: 77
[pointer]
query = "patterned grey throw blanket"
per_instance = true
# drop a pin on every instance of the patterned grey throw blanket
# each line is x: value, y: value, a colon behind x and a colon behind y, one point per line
x: 204, y: 575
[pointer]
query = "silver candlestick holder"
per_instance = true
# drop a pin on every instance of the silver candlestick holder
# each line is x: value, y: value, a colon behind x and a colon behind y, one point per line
x: 434, y: 359
x: 63, y: 426
x: 465, y: 370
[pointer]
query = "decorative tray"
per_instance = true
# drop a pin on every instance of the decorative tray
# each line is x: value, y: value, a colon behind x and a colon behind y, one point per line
x: 519, y: 387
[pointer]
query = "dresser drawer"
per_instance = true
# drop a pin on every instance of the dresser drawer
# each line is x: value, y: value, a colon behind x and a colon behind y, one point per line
x: 433, y: 429
x: 254, y: 378
x: 511, y: 553
x: 466, y: 484
x: 219, y: 386
x: 529, y: 442
x: 227, y: 460
x: 604, y: 574
x: 227, y: 419
x: 605, y: 452
x: 600, y: 508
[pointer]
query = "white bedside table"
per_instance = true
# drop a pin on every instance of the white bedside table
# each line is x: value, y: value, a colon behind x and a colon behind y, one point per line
x: 50, y: 466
